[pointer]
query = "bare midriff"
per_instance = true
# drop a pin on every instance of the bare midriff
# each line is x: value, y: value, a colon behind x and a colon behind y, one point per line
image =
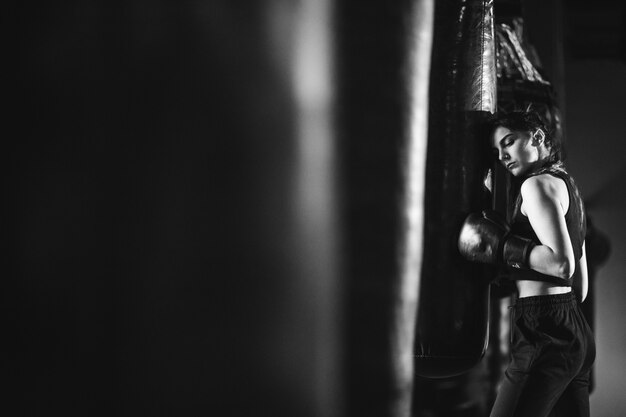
x: 534, y: 288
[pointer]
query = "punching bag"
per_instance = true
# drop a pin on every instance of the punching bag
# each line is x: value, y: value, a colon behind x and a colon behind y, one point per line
x: 452, y: 321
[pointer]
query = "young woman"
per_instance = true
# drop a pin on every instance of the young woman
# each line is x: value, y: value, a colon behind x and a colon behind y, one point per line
x: 552, y: 347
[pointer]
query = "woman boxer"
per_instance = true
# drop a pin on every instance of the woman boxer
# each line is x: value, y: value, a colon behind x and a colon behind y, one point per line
x: 552, y: 347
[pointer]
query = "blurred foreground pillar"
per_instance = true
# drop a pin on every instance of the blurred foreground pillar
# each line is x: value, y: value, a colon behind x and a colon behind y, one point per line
x: 281, y: 237
x: 172, y: 226
x: 383, y: 67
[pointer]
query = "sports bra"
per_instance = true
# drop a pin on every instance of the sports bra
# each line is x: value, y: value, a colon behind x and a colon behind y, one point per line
x: 574, y: 218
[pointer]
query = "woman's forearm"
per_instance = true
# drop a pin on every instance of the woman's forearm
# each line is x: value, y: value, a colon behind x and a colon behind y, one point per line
x: 545, y: 260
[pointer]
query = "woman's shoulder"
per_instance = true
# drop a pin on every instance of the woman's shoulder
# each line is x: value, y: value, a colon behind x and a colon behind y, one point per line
x: 544, y: 186
x: 542, y: 181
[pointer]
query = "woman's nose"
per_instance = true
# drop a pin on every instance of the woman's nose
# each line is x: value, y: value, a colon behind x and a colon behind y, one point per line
x: 503, y: 156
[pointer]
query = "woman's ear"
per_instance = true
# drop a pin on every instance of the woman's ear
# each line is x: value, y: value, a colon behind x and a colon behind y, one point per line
x: 538, y: 137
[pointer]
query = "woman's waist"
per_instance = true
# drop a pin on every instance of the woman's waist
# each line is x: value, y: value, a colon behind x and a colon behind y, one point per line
x: 537, y: 288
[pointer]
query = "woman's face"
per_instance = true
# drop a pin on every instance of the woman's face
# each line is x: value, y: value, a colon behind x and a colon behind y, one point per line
x: 516, y: 150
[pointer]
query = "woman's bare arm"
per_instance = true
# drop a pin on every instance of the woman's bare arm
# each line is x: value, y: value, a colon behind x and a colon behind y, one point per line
x: 543, y: 199
x: 583, y: 275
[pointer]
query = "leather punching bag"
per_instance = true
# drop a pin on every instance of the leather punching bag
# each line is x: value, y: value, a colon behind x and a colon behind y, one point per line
x: 452, y: 324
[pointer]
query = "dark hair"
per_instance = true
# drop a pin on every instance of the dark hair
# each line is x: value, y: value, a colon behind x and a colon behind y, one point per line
x: 528, y: 122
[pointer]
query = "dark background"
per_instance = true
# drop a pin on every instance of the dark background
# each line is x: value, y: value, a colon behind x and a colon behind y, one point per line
x: 144, y: 210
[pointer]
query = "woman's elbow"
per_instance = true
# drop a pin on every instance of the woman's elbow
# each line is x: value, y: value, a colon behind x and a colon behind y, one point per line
x: 565, y: 268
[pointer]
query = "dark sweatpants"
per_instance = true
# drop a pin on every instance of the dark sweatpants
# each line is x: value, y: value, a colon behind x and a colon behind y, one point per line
x: 552, y: 350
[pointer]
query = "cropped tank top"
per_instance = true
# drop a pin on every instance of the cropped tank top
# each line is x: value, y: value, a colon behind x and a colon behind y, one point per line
x: 575, y: 220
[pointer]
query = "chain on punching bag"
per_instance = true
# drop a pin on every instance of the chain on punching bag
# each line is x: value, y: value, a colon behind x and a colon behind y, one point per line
x: 452, y: 325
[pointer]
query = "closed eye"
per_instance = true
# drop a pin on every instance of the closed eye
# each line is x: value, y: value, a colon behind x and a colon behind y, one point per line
x: 507, y: 141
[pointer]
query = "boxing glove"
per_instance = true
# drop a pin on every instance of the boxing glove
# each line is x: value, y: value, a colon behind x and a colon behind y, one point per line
x: 485, y: 237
